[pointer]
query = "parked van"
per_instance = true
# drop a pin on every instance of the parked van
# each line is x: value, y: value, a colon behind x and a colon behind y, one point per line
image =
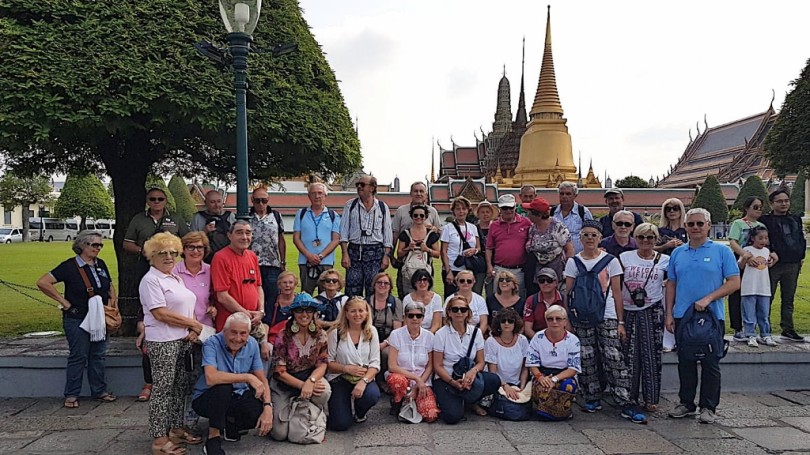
x: 10, y: 235
x: 50, y: 229
x: 105, y: 227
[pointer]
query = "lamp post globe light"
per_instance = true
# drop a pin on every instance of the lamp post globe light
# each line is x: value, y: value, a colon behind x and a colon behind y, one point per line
x: 240, y: 18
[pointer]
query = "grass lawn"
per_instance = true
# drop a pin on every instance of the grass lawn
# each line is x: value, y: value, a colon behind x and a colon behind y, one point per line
x: 24, y: 263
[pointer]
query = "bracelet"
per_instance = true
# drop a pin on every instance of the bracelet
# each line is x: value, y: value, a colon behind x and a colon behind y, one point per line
x: 621, y: 322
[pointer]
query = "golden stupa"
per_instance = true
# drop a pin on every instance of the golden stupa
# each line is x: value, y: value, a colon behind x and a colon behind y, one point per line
x: 546, y: 157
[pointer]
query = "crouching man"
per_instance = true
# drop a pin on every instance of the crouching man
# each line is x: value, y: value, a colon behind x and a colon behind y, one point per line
x: 233, y: 393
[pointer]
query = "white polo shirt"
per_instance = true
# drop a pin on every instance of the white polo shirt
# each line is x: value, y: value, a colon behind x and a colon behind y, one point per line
x: 454, y: 346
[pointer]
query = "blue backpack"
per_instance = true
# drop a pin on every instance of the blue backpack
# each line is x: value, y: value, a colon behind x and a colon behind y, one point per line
x: 586, y: 302
x: 699, y: 335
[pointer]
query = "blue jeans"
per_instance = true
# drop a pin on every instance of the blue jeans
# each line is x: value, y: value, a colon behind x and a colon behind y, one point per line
x: 83, y: 353
x: 270, y: 287
x: 755, y: 310
x: 452, y: 404
x: 340, y: 403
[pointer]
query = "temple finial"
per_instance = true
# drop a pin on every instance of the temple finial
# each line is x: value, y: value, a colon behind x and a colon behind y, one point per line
x: 547, y: 99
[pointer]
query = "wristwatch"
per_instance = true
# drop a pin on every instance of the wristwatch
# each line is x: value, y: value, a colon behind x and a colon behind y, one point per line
x: 312, y: 379
x: 555, y: 379
x: 367, y: 380
x: 269, y: 404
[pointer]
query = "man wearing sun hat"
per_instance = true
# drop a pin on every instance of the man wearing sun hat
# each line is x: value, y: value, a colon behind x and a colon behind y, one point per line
x: 506, y: 241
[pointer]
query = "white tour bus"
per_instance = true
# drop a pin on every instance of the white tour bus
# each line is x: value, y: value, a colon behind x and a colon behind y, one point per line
x: 105, y: 227
x: 50, y: 229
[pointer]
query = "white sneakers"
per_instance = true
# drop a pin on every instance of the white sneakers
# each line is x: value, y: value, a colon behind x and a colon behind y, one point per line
x: 752, y: 342
x: 768, y: 340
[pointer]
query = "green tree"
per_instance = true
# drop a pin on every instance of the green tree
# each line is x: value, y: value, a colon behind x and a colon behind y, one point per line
x: 156, y: 181
x: 182, y: 198
x: 19, y: 190
x: 84, y: 196
x: 753, y: 186
x: 787, y: 145
x: 632, y: 181
x: 117, y: 87
x: 797, y: 194
x: 711, y: 198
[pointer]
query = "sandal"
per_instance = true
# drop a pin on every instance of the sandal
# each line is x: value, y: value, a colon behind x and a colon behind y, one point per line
x: 184, y: 437
x: 146, y: 393
x: 71, y: 402
x: 479, y: 411
x: 106, y: 397
x: 168, y: 449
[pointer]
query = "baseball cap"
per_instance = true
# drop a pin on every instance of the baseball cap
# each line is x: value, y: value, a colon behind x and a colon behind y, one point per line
x: 610, y: 191
x: 548, y: 272
x: 537, y: 204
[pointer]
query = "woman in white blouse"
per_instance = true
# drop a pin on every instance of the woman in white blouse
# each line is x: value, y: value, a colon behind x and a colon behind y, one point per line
x: 465, y: 280
x: 431, y: 301
x: 410, y: 364
x: 354, y: 360
x: 505, y: 352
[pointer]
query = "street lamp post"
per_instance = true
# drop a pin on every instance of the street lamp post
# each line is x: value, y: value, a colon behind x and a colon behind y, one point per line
x: 240, y: 18
x: 41, y: 222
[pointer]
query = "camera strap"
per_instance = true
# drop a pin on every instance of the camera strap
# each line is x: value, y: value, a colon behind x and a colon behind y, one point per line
x: 655, y: 262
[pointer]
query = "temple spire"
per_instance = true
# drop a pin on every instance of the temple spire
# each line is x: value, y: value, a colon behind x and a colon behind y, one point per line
x: 520, y: 117
x: 547, y: 99
x: 432, y: 161
x: 503, y: 110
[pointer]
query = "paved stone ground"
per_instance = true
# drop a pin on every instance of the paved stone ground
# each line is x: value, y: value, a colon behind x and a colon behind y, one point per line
x: 757, y: 423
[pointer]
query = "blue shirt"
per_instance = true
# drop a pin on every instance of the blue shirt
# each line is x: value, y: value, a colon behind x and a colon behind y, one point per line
x: 699, y: 272
x: 216, y: 354
x: 574, y: 223
x: 318, y: 227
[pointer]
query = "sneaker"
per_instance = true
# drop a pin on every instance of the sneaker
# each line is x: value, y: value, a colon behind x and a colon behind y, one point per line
x: 769, y: 341
x: 706, y: 416
x: 213, y: 446
x: 358, y: 419
x: 740, y: 336
x: 231, y: 432
x: 752, y: 342
x: 634, y: 415
x: 682, y: 411
x: 791, y: 335
x: 592, y: 406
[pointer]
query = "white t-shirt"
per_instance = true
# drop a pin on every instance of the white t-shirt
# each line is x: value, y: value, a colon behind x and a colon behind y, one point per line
x: 509, y: 360
x: 447, y: 340
x: 561, y: 355
x: 435, y: 306
x: 478, y: 307
x: 756, y: 280
x: 451, y: 238
x: 636, y: 271
x: 613, y: 269
x: 412, y: 355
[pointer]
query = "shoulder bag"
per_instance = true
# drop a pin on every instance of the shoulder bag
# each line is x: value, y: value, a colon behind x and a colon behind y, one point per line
x: 306, y: 420
x: 112, y: 316
x: 474, y: 263
x: 461, y: 367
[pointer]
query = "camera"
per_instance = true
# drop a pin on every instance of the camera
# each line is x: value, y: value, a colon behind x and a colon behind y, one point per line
x: 639, y: 296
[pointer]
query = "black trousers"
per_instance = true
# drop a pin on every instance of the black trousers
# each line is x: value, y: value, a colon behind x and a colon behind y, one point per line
x: 220, y: 405
x: 709, y: 380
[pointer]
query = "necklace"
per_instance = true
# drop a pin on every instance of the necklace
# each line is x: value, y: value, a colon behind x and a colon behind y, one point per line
x: 510, y: 342
x: 647, y: 258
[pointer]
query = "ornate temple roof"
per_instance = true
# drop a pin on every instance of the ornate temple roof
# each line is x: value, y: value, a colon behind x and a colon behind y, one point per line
x: 547, y: 99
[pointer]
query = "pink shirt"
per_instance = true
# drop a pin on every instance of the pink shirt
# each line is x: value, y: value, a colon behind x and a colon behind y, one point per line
x: 509, y: 241
x: 158, y: 290
x: 200, y: 285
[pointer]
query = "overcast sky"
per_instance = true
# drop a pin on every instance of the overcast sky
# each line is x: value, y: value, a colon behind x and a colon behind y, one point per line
x: 633, y: 77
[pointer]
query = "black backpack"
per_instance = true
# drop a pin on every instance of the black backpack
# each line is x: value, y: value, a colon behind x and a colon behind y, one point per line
x: 302, y: 212
x: 580, y: 210
x: 218, y: 238
x: 586, y: 302
x: 700, y: 335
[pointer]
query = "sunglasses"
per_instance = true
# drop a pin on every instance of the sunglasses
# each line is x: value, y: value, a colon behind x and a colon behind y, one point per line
x: 555, y: 319
x: 195, y: 247
x: 415, y: 315
x: 309, y: 310
x: 171, y: 253
x: 506, y: 208
x: 589, y: 235
x: 672, y: 209
x: 465, y: 281
x: 330, y: 280
x: 418, y: 216
x: 546, y: 280
x: 362, y: 184
x: 508, y: 321
x: 646, y: 237
x: 538, y: 213
x: 695, y: 223
x: 383, y: 283
x: 157, y: 199
x: 458, y: 309
x: 95, y: 245
x: 622, y: 223
x: 261, y: 200
x: 424, y: 278
x: 504, y: 280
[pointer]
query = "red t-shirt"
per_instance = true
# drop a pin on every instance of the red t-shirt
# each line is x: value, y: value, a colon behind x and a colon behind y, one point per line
x: 240, y: 276
x: 509, y: 241
x: 534, y: 312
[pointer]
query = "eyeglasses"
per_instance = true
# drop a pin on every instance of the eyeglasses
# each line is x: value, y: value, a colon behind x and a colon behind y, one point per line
x: 695, y: 223
x: 417, y: 216
x: 97, y: 246
x: 195, y: 247
x: 249, y: 280
x: 465, y: 281
x: 308, y: 309
x: 622, y: 223
x: 330, y: 280
x: 171, y: 253
x: 781, y: 201
x: 508, y: 321
x: 362, y: 184
x: 646, y: 237
x: 670, y: 208
x: 555, y: 319
x: 383, y: 283
x: 157, y: 199
x: 546, y: 280
x: 415, y: 315
x: 261, y: 200
x: 589, y: 235
x: 458, y: 309
x: 504, y: 280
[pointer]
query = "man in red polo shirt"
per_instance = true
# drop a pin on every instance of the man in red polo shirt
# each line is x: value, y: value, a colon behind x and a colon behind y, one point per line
x: 506, y: 242
x: 236, y: 278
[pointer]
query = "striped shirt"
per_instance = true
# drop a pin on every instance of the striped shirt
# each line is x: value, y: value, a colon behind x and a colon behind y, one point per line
x: 363, y: 227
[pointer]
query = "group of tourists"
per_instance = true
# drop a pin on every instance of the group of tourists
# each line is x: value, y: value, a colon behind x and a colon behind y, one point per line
x: 541, y: 302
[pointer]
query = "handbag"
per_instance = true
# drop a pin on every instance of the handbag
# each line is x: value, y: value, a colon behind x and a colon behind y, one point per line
x: 474, y: 263
x: 462, y: 366
x: 553, y: 404
x: 408, y: 413
x: 306, y: 421
x: 504, y: 408
x: 112, y: 316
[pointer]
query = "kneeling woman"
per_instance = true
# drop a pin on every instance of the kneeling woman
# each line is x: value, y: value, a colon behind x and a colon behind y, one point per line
x: 453, y: 342
x: 554, y: 361
x: 354, y: 360
x: 300, y: 358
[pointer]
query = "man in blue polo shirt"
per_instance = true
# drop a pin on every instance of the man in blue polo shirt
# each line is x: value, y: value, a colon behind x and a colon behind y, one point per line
x: 316, y: 234
x: 700, y: 273
x: 233, y: 392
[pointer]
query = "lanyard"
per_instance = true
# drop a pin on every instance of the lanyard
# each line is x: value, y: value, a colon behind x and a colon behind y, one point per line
x: 316, y: 222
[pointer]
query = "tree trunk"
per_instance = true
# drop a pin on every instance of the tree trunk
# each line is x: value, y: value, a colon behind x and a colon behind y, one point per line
x: 26, y: 225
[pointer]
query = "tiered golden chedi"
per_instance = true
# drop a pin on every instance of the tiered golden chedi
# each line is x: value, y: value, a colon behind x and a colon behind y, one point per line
x: 546, y: 157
